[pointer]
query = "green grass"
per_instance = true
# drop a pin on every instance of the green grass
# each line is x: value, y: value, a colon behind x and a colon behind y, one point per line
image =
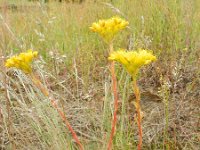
x: 74, y: 66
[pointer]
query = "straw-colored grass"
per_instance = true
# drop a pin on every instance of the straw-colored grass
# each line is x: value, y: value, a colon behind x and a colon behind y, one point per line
x: 73, y: 65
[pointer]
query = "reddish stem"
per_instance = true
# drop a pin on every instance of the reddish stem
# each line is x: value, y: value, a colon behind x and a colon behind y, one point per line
x: 138, y: 109
x: 62, y: 115
x: 114, y: 87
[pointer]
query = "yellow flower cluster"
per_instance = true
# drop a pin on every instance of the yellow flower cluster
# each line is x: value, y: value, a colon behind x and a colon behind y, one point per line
x: 109, y: 28
x: 22, y: 61
x: 133, y: 60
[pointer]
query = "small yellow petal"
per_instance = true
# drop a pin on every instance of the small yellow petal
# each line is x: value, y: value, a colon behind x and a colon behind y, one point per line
x: 133, y: 60
x: 22, y: 61
x: 109, y: 28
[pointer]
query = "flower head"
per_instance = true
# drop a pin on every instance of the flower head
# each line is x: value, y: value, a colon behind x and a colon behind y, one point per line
x: 22, y: 61
x: 109, y: 28
x: 133, y: 60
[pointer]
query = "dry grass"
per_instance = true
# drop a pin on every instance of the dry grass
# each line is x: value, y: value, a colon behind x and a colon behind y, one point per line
x: 73, y: 65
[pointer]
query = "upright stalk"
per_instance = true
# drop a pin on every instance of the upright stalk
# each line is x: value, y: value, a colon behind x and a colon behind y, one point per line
x: 138, y: 109
x: 166, y: 110
x: 8, y: 104
x: 114, y: 88
x: 37, y: 82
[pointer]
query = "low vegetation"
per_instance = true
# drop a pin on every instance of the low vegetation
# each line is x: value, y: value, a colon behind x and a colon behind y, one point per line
x: 66, y: 92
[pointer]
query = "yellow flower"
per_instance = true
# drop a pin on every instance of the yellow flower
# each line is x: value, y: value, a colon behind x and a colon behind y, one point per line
x: 133, y: 60
x: 22, y: 61
x: 109, y: 28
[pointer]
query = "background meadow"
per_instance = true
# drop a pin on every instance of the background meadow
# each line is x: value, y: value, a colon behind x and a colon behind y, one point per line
x: 73, y: 65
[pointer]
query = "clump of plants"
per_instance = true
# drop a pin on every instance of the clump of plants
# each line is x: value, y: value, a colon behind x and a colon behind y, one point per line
x: 131, y: 60
x: 108, y: 29
x: 23, y: 62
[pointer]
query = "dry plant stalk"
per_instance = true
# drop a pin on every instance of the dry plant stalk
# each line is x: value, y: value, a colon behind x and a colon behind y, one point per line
x: 8, y: 109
